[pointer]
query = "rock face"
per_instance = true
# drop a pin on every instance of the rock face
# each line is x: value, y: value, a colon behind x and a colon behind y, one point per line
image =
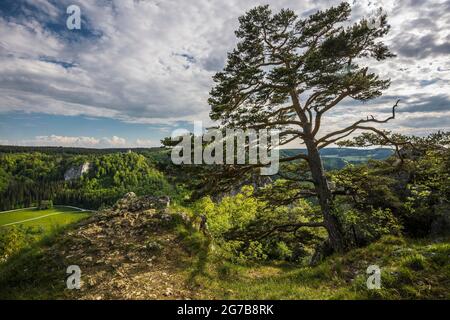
x: 132, y: 203
x: 128, y: 252
x: 76, y: 172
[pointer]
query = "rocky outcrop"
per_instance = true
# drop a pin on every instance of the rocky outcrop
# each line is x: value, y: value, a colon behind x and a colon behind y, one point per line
x: 133, y: 203
x: 76, y: 172
x: 129, y: 251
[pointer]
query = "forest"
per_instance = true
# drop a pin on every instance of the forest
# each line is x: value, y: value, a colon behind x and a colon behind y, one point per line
x: 29, y: 177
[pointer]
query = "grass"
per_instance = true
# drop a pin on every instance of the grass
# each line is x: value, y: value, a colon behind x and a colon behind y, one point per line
x: 28, y: 273
x: 47, y: 219
x: 409, y: 270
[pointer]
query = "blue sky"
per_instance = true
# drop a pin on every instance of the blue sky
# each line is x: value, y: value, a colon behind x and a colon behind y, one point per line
x: 32, y: 128
x: 139, y: 69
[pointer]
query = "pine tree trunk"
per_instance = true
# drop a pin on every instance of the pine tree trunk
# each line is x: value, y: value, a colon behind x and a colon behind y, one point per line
x: 331, y: 222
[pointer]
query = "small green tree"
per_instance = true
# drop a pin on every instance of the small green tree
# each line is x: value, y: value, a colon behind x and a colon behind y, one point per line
x: 45, y: 204
x: 419, y: 180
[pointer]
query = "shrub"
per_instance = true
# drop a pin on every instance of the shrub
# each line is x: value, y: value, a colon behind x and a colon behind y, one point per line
x: 12, y: 240
x: 415, y: 262
x: 234, y: 212
x: 236, y: 220
x: 45, y: 204
x: 362, y: 228
x: 279, y: 250
x: 254, y: 252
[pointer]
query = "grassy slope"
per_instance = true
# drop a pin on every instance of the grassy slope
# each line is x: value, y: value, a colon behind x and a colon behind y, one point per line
x: 30, y: 269
x: 410, y: 270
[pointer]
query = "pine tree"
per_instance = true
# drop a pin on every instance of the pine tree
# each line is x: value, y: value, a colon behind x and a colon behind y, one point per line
x: 286, y: 73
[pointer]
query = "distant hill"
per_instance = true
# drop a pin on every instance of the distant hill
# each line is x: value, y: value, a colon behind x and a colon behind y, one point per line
x: 337, y: 158
x: 334, y: 158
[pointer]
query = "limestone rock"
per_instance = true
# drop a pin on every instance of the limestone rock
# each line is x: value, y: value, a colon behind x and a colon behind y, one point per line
x: 76, y: 172
x: 128, y: 251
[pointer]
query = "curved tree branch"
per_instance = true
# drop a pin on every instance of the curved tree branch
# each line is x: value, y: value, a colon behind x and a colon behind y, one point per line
x: 357, y: 125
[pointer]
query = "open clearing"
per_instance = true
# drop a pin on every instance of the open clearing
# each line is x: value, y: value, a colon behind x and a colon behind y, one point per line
x: 48, y: 219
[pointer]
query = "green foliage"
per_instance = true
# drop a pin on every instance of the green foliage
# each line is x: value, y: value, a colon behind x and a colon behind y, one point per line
x: 415, y: 262
x: 279, y: 250
x: 236, y: 224
x: 302, y: 59
x: 254, y: 251
x: 193, y: 240
x: 45, y: 204
x: 26, y: 179
x: 12, y: 240
x: 367, y: 186
x: 42, y: 276
x: 230, y: 213
x: 363, y: 227
x: 427, y: 206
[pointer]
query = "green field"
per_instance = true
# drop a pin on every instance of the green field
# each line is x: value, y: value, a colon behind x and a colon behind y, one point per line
x: 47, y: 220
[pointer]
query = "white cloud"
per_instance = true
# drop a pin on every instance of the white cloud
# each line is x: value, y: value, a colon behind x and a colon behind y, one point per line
x: 72, y: 141
x: 83, y: 142
x: 55, y: 140
x: 114, y: 141
x: 146, y: 143
x: 153, y: 61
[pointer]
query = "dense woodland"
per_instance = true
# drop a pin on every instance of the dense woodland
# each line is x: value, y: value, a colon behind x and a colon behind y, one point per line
x: 392, y: 196
x: 31, y: 174
x: 26, y: 178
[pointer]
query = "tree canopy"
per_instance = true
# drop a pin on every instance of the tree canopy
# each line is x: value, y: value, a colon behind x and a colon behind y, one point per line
x: 286, y: 73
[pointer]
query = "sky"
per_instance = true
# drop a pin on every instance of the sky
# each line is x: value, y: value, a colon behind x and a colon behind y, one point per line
x: 139, y: 69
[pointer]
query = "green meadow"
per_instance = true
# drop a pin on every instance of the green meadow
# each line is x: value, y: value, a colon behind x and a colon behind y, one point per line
x: 44, y: 220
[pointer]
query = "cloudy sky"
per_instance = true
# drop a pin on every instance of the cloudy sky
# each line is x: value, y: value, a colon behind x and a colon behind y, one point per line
x: 137, y: 70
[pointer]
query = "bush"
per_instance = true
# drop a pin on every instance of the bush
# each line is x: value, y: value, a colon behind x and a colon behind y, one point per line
x: 12, y: 240
x: 279, y: 250
x: 254, y: 252
x: 237, y: 220
x: 362, y: 228
x: 241, y: 252
x: 414, y: 262
x: 45, y: 204
x: 231, y: 213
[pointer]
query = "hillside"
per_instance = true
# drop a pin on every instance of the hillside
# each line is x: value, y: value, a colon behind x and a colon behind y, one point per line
x: 338, y: 158
x: 260, y: 242
x: 141, y: 249
x: 29, y: 174
x: 130, y: 251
